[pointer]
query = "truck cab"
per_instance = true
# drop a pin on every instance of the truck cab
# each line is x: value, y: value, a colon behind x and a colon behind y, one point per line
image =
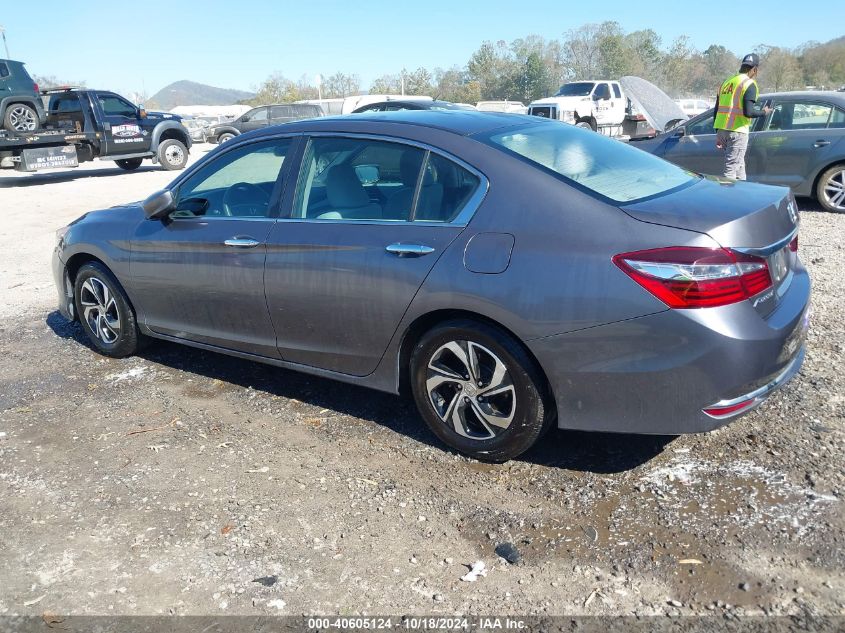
x: 591, y: 104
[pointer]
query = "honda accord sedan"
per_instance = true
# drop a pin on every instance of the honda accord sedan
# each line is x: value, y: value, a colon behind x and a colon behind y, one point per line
x: 510, y: 273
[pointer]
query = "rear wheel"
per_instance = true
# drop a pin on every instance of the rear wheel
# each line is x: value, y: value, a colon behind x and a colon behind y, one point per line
x: 479, y: 391
x: 20, y: 117
x: 104, y: 311
x: 830, y: 189
x: 172, y: 154
x: 129, y: 164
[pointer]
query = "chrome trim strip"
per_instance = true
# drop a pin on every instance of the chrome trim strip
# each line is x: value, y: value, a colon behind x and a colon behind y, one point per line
x: 765, y: 251
x: 760, y: 394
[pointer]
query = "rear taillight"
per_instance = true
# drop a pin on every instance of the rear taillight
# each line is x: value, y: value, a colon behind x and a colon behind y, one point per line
x: 693, y: 277
x: 793, y: 245
x: 35, y: 87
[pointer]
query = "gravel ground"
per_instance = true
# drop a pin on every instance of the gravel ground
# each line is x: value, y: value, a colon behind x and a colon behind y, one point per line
x: 184, y: 482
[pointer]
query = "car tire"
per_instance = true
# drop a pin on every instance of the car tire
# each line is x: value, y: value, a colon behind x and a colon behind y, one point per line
x: 129, y: 164
x: 830, y: 189
x: 20, y: 117
x: 226, y: 136
x: 587, y: 124
x: 492, y: 428
x: 105, y: 313
x: 172, y: 154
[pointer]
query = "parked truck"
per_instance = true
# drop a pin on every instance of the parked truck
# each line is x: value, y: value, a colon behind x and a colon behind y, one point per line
x: 630, y: 108
x: 82, y: 125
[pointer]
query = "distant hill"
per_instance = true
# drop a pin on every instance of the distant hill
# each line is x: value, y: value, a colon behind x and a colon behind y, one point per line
x: 191, y: 93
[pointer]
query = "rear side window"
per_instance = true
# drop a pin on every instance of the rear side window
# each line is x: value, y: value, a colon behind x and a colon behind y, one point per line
x: 4, y: 70
x: 602, y: 165
x: 280, y: 112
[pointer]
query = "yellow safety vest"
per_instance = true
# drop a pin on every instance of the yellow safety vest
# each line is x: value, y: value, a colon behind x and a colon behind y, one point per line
x: 729, y: 114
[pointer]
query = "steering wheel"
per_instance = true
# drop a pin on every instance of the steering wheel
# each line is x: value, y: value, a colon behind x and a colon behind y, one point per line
x: 245, y: 199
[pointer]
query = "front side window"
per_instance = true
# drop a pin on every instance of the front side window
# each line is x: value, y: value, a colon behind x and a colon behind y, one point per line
x: 704, y: 125
x: 259, y: 114
x: 602, y: 165
x: 239, y: 183
x: 602, y: 92
x: 115, y: 106
x: 617, y: 92
x: 367, y: 179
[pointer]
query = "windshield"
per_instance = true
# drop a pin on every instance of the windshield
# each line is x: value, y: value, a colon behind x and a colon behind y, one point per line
x: 576, y: 89
x: 605, y: 166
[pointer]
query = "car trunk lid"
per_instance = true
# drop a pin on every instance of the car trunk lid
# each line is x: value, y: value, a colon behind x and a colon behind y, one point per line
x: 757, y: 220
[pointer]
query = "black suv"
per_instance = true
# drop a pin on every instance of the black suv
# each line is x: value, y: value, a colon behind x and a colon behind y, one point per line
x: 21, y: 109
x: 263, y: 116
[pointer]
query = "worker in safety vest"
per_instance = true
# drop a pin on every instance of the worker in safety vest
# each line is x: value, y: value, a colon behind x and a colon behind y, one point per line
x: 736, y: 106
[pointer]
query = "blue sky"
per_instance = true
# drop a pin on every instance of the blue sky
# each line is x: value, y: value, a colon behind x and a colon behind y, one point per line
x: 128, y: 46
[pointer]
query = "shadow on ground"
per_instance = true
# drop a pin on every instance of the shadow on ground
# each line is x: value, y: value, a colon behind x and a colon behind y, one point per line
x: 46, y: 177
x: 572, y: 450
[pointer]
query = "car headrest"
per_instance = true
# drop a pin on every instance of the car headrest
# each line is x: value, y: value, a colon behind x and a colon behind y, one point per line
x: 344, y: 190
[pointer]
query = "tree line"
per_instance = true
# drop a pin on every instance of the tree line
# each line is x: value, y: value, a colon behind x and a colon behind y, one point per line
x: 533, y: 67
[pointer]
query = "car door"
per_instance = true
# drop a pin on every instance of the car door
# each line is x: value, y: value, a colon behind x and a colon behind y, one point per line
x: 602, y: 100
x: 254, y: 119
x: 692, y: 145
x: 343, y: 267
x: 199, y: 273
x: 792, y: 142
x: 122, y: 131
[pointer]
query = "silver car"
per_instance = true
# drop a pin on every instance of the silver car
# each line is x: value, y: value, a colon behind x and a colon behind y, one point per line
x: 800, y: 145
x: 511, y: 273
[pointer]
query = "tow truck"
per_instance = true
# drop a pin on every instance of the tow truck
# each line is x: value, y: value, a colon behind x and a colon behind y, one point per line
x: 84, y: 124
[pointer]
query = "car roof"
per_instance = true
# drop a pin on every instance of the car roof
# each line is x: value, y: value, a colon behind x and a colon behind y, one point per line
x: 829, y: 95
x: 461, y: 122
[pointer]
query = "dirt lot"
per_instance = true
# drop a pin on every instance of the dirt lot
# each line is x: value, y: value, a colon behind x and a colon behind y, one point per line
x: 186, y: 482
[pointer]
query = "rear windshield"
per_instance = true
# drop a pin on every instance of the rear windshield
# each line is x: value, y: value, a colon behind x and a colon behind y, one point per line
x: 605, y: 166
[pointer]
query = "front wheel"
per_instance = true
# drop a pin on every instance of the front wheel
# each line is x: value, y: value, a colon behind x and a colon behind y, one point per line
x: 479, y: 391
x: 172, y: 154
x: 226, y: 136
x: 129, y: 164
x: 587, y: 124
x: 830, y: 190
x: 104, y: 311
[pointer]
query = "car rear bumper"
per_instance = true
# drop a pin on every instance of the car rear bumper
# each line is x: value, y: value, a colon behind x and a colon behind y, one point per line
x: 656, y: 374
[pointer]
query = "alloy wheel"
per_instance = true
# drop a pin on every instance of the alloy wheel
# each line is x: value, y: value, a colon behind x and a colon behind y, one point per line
x: 834, y: 190
x: 100, y: 311
x: 471, y: 390
x: 22, y: 119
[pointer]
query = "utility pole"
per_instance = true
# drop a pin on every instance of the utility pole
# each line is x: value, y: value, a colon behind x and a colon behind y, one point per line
x: 5, y: 44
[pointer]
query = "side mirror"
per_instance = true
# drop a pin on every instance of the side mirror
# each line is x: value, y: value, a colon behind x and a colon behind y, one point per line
x: 142, y: 112
x: 680, y: 131
x: 159, y: 204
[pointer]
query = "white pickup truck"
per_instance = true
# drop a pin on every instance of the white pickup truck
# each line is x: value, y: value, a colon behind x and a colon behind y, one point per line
x: 630, y: 108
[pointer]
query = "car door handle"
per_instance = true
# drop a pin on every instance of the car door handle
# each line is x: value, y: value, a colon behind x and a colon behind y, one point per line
x: 409, y: 250
x: 242, y: 242
x: 821, y: 143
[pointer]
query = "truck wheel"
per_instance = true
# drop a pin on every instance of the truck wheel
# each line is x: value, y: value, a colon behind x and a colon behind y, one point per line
x: 172, y: 154
x: 587, y: 124
x: 225, y: 137
x: 20, y: 117
x: 129, y: 164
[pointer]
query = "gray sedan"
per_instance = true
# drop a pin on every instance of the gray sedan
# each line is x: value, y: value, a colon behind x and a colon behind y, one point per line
x: 800, y: 145
x: 511, y: 273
